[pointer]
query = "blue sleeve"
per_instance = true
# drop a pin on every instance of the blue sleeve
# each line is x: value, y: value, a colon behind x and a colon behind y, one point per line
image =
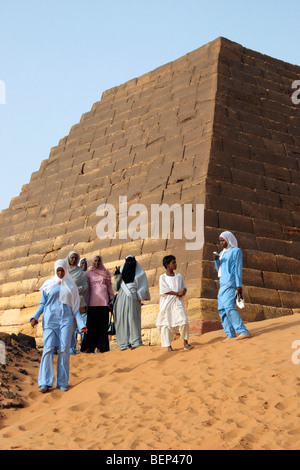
x: 238, y: 268
x: 79, y: 320
x: 41, y: 307
x: 217, y: 264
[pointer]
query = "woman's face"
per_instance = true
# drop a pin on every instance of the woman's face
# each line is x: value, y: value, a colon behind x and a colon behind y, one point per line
x: 83, y: 265
x: 223, y: 243
x: 73, y: 260
x: 97, y: 262
x: 60, y: 273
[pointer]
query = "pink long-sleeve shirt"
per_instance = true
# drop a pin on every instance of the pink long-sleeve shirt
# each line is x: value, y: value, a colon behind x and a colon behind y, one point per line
x: 100, y: 289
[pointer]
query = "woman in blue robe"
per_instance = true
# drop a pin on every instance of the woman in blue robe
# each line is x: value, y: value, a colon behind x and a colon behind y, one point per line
x: 59, y: 304
x: 229, y: 264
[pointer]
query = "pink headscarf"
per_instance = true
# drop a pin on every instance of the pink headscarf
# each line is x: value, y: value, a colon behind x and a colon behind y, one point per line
x: 101, y: 271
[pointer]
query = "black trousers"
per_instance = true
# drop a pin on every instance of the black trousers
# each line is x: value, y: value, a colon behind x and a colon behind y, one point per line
x: 97, y: 325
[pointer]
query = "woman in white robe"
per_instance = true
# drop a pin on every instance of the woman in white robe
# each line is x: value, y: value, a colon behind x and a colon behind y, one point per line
x: 60, y: 305
x: 132, y: 286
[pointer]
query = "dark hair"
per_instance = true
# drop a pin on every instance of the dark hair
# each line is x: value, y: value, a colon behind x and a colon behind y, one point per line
x: 167, y: 260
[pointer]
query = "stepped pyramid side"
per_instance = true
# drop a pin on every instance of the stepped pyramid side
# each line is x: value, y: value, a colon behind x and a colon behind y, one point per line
x: 253, y: 180
x: 149, y: 140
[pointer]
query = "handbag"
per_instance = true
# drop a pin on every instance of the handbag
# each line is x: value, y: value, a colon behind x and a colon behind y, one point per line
x: 112, y: 302
x: 111, y: 327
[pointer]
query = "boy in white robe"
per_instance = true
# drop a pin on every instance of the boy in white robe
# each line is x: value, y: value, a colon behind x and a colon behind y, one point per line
x: 172, y: 316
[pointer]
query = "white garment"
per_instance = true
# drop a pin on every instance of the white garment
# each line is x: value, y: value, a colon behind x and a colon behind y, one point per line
x: 68, y: 292
x: 231, y: 242
x: 167, y: 334
x: 139, y: 288
x: 171, y: 308
x: 87, y: 263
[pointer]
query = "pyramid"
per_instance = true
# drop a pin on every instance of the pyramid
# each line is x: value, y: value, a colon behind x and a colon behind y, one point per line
x: 216, y: 129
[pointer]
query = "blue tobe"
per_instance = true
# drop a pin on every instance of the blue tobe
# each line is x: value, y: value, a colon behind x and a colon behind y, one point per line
x: 231, y: 278
x: 57, y: 334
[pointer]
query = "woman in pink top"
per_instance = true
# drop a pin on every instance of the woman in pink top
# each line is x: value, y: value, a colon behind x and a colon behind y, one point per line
x: 100, y: 293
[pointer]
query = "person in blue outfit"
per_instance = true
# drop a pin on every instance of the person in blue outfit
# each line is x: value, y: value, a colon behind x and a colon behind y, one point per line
x: 59, y: 304
x: 229, y: 264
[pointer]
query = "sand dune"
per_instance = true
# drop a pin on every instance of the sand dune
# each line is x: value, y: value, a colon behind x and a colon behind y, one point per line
x: 233, y: 395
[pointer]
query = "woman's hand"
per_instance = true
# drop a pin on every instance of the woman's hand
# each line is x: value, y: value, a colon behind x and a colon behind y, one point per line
x: 117, y: 271
x: 33, y: 322
x: 84, y: 330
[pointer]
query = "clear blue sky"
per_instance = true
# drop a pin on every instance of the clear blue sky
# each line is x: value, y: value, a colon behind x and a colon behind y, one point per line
x: 58, y: 56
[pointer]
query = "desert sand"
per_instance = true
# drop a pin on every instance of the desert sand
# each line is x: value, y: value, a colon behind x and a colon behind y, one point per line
x: 232, y: 395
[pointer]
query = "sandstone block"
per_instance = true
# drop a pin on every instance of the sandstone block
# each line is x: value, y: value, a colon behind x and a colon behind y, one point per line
x: 235, y: 222
x: 149, y: 315
x: 290, y: 299
x: 10, y: 317
x: 32, y: 299
x: 201, y: 327
x: 288, y: 265
x: 260, y: 261
x: 25, y: 316
x: 271, y: 245
x: 263, y: 296
x: 9, y: 289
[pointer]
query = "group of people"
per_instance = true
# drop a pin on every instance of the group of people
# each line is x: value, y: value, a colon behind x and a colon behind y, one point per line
x: 76, y: 300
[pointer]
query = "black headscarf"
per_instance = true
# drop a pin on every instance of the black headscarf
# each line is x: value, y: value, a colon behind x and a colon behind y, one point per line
x: 128, y: 272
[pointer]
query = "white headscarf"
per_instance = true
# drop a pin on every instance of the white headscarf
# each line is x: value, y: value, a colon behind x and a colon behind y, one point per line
x: 231, y: 243
x: 87, y: 263
x: 68, y: 291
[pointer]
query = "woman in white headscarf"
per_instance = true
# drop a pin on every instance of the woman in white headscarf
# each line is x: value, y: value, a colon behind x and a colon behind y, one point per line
x: 78, y: 277
x: 84, y: 264
x: 229, y: 264
x: 59, y: 304
x: 132, y: 286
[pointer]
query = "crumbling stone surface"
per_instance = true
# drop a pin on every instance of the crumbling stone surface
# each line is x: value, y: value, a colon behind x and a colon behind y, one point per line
x: 14, y: 371
x: 215, y: 127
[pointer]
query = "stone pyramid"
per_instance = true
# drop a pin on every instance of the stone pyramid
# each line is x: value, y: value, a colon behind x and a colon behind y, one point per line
x: 215, y: 129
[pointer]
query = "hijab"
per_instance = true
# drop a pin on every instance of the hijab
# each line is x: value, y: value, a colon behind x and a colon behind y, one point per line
x: 230, y: 239
x: 101, y: 271
x: 231, y: 243
x: 68, y: 290
x: 87, y: 263
x: 134, y: 273
x: 128, y: 271
x: 75, y: 272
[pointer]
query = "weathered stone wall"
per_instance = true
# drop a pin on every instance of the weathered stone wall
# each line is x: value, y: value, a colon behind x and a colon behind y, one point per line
x: 253, y: 184
x: 215, y: 127
x: 149, y: 140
